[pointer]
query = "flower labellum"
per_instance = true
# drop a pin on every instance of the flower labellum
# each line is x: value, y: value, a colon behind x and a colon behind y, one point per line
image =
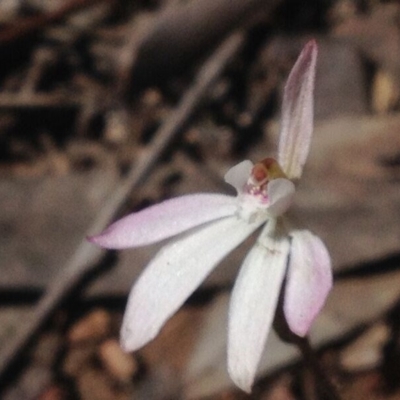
x: 205, y: 228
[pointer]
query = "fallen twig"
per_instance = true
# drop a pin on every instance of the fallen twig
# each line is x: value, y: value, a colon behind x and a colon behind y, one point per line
x: 29, y: 25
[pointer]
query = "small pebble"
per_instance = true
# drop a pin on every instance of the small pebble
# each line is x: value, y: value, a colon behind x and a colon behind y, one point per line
x: 119, y: 364
x: 385, y: 92
x: 95, y: 325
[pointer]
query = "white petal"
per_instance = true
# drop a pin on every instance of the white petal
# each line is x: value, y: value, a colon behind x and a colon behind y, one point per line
x: 238, y: 175
x: 309, y: 281
x: 253, y: 305
x: 165, y: 220
x: 280, y: 194
x: 298, y: 113
x: 174, y: 274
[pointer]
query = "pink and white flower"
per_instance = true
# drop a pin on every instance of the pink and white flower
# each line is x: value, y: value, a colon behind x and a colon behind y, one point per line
x: 206, y: 227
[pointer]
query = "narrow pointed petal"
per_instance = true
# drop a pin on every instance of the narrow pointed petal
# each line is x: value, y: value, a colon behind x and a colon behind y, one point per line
x: 172, y: 276
x: 280, y: 194
x: 165, y: 220
x: 253, y: 305
x: 298, y: 113
x: 238, y: 175
x: 309, y: 281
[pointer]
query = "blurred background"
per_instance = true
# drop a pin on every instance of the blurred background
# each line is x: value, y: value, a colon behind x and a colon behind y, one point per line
x: 108, y: 106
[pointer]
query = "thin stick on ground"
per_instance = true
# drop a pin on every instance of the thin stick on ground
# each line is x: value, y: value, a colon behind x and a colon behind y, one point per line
x: 28, y: 25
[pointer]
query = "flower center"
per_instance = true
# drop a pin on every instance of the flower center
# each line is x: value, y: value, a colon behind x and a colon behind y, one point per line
x: 262, y: 173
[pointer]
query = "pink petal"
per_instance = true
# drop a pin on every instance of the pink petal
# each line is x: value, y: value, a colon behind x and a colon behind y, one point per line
x: 238, y: 175
x: 309, y: 281
x: 298, y: 113
x: 280, y: 194
x: 253, y: 304
x: 175, y: 272
x: 164, y: 220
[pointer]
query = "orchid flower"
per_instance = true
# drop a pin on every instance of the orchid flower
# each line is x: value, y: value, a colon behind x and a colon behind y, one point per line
x: 206, y: 227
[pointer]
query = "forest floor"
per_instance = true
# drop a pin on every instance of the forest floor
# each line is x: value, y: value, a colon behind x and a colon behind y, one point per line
x: 108, y: 106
